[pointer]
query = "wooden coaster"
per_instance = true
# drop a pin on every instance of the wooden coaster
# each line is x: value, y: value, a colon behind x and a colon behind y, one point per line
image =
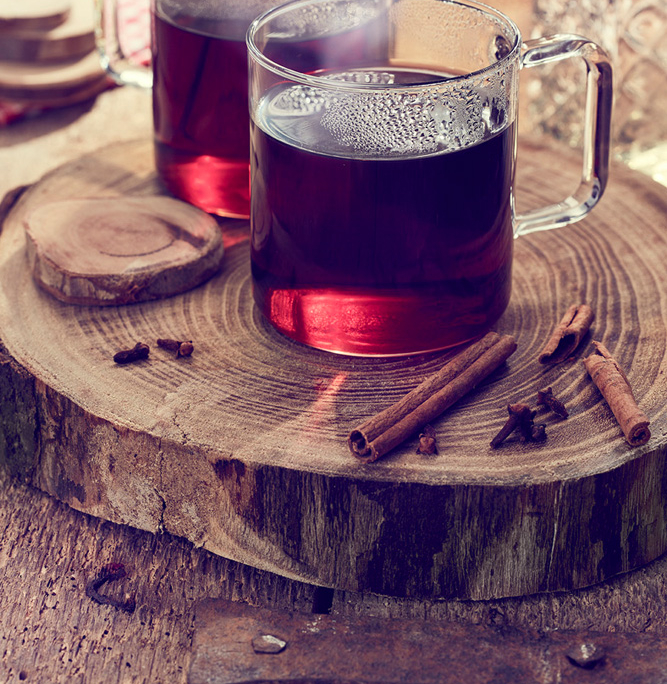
x: 31, y: 15
x: 119, y: 251
x: 53, y: 85
x: 73, y: 37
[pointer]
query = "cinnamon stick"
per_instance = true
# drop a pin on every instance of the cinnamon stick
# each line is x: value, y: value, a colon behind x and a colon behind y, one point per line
x: 567, y: 334
x: 381, y: 433
x: 610, y: 379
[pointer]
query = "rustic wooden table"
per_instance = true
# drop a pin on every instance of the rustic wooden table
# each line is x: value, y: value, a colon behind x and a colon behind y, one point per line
x: 50, y: 631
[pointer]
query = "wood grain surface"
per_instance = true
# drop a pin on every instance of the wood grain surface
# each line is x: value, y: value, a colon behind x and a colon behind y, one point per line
x: 55, y: 67
x: 33, y: 82
x: 52, y: 632
x: 237, y: 644
x: 241, y: 448
x: 120, y: 251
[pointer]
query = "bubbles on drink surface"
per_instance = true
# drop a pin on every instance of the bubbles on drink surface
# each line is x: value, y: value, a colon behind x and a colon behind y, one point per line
x: 214, y: 10
x: 324, y: 18
x: 433, y: 113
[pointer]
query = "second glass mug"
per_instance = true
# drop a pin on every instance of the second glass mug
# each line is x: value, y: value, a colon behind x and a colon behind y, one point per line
x: 199, y: 77
x: 382, y: 168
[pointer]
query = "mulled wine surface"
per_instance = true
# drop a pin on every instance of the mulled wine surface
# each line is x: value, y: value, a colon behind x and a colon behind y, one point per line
x: 375, y: 254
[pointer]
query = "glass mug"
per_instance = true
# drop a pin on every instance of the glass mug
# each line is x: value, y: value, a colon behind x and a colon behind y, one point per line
x: 382, y: 169
x: 199, y: 78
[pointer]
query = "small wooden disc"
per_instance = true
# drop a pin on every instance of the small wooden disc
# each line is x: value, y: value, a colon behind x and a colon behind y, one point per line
x: 53, y: 85
x: 33, y: 14
x: 73, y: 37
x: 118, y: 251
x: 42, y: 79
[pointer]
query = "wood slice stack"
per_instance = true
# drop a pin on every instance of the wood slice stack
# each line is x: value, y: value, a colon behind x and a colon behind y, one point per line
x: 47, y: 52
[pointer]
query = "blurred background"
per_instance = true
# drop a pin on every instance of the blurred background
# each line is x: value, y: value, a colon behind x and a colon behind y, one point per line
x: 49, y: 61
x: 634, y: 34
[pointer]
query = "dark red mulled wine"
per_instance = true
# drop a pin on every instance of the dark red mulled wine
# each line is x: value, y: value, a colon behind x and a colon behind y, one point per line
x: 363, y: 252
x: 200, y: 109
x: 200, y: 102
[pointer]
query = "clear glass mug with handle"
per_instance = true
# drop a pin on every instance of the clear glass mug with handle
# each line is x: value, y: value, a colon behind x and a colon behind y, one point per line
x: 382, y: 168
x: 200, y: 94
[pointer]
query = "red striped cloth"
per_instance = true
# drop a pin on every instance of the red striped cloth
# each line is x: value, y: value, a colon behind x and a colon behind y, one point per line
x: 134, y: 38
x: 12, y: 111
x: 134, y: 34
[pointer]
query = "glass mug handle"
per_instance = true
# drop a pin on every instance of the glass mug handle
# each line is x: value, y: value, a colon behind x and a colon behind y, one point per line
x: 119, y: 66
x: 597, y: 129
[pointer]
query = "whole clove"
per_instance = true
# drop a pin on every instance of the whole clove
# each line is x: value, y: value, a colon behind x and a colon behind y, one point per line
x: 519, y: 414
x: 427, y: 444
x: 180, y: 347
x: 109, y: 573
x: 546, y: 398
x: 521, y: 418
x: 138, y: 352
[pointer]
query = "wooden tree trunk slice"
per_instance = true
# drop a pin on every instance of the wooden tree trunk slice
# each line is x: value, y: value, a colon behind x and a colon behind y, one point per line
x: 47, y: 53
x: 241, y: 448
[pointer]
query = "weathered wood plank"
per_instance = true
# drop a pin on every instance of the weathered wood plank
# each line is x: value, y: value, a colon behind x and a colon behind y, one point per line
x: 52, y: 632
x: 231, y: 642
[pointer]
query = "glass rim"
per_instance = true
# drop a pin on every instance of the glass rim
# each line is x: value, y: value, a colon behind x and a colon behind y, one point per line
x: 322, y: 82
